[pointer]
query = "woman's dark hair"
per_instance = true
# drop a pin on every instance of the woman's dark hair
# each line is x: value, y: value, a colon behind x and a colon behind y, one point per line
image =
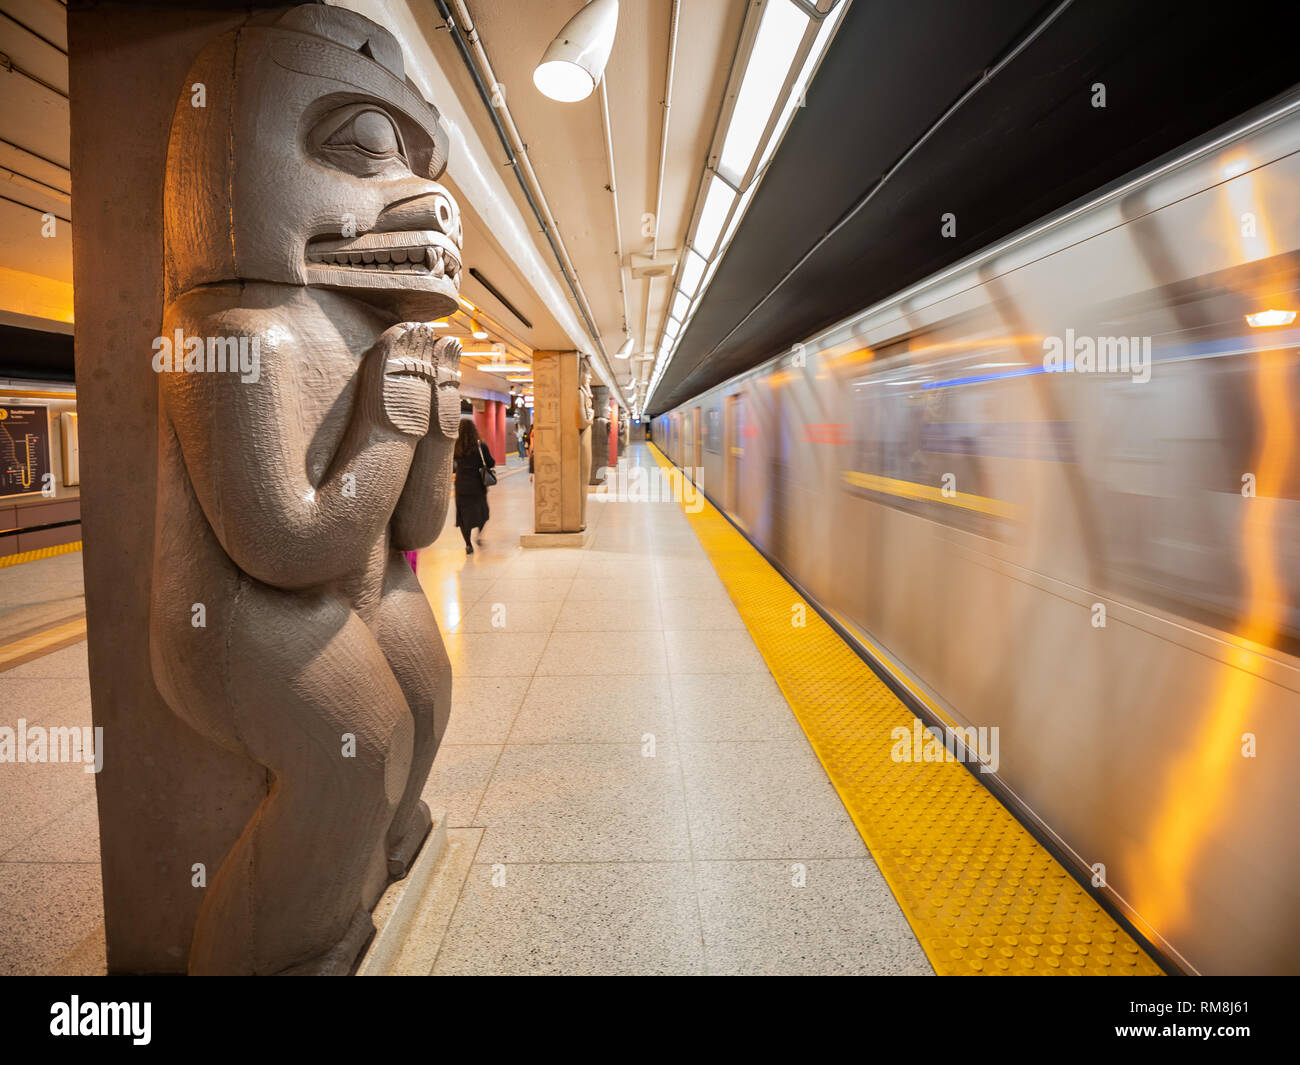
x: 466, y: 438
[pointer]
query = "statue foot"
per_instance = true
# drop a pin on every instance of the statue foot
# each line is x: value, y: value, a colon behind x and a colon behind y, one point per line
x: 340, y: 958
x: 402, y: 853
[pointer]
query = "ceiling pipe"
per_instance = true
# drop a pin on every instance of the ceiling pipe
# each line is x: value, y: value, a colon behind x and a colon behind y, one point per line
x: 613, y: 188
x: 517, y: 157
x: 31, y: 184
x: 674, y: 18
x: 663, y: 136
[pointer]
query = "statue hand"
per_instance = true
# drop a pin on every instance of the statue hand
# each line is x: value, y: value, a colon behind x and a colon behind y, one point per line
x: 405, y: 372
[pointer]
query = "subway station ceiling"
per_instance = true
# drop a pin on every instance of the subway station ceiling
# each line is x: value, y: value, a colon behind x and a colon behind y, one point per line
x: 979, y: 109
x: 982, y: 110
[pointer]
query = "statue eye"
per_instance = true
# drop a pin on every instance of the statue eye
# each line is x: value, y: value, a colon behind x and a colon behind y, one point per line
x: 370, y: 131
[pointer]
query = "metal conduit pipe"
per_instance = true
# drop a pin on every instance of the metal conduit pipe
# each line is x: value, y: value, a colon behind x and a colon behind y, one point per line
x: 613, y: 188
x: 659, y: 194
x: 519, y: 162
x: 663, y: 136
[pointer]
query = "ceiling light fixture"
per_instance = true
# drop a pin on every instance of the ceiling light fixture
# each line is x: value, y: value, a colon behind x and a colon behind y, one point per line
x: 1270, y: 317
x: 768, y: 85
x: 626, y: 349
x: 574, y: 61
x: 504, y: 367
x: 713, y: 214
x: 692, y: 270
x: 780, y: 33
x: 478, y: 332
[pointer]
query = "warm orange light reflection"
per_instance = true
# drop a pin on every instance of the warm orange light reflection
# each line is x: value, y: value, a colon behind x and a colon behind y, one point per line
x: 1198, y: 790
x: 849, y: 358
x: 1246, y: 227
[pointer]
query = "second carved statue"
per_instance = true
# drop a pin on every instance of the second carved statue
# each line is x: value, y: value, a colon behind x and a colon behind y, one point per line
x: 304, y: 222
x: 586, y: 415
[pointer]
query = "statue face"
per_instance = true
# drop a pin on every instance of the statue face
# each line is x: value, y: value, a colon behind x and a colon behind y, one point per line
x: 313, y: 163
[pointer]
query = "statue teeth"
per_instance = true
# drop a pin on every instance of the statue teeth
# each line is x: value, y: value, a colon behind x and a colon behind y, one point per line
x: 381, y: 255
x: 399, y: 255
x: 367, y: 257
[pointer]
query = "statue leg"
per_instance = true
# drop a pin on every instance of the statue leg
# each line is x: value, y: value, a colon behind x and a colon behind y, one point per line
x: 409, y: 636
x: 315, y: 702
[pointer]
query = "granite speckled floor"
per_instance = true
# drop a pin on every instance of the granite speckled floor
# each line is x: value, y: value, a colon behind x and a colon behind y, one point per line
x: 647, y: 800
x: 49, y: 831
x: 643, y: 799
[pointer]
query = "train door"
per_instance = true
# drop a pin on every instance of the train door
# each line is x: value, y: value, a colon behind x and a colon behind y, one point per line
x: 780, y: 490
x: 733, y: 450
x: 697, y: 427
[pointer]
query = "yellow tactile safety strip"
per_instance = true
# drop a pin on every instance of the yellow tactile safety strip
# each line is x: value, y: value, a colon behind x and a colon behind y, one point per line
x: 40, y: 552
x: 981, y: 894
x: 49, y: 640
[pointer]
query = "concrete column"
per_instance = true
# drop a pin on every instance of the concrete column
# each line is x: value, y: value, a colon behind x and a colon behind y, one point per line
x: 600, y: 402
x: 168, y: 800
x: 558, y: 486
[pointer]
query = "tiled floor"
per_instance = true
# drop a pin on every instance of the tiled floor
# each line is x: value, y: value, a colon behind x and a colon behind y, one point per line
x: 49, y: 832
x: 648, y: 803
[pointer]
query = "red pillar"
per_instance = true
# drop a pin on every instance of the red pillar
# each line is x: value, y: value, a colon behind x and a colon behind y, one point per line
x: 499, y: 449
x: 491, y: 425
x: 613, y: 435
x: 483, y: 423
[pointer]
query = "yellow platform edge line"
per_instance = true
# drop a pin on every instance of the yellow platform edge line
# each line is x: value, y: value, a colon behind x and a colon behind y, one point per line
x: 981, y: 894
x: 55, y: 638
x: 40, y: 552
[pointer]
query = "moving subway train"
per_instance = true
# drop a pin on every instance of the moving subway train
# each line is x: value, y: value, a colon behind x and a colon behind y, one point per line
x: 1055, y: 490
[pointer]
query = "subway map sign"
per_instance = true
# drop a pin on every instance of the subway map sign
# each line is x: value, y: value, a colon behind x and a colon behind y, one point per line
x: 24, y: 450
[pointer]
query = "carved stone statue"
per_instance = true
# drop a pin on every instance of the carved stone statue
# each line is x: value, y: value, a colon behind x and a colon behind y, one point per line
x: 623, y: 429
x: 586, y: 414
x: 306, y: 230
x: 599, y: 433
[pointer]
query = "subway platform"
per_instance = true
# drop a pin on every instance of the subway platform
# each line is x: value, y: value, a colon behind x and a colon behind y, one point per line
x: 630, y: 782
x: 639, y: 797
x: 649, y: 769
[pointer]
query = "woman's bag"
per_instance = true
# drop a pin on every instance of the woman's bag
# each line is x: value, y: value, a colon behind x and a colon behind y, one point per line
x: 485, y: 471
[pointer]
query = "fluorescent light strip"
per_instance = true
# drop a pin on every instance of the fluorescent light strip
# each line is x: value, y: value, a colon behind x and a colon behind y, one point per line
x: 800, y: 87
x: 780, y: 33
x: 744, y: 117
x: 713, y: 214
x: 692, y: 270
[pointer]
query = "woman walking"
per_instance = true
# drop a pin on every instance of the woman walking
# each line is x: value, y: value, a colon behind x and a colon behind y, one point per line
x: 473, y: 463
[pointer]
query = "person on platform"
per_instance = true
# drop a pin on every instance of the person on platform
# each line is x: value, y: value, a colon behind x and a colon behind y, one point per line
x: 474, y: 466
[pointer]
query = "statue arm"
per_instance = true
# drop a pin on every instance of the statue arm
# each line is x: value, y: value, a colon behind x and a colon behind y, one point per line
x: 245, y: 450
x: 422, y: 508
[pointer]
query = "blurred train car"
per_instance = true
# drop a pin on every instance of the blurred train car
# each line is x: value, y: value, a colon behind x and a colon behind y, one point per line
x: 1103, y: 565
